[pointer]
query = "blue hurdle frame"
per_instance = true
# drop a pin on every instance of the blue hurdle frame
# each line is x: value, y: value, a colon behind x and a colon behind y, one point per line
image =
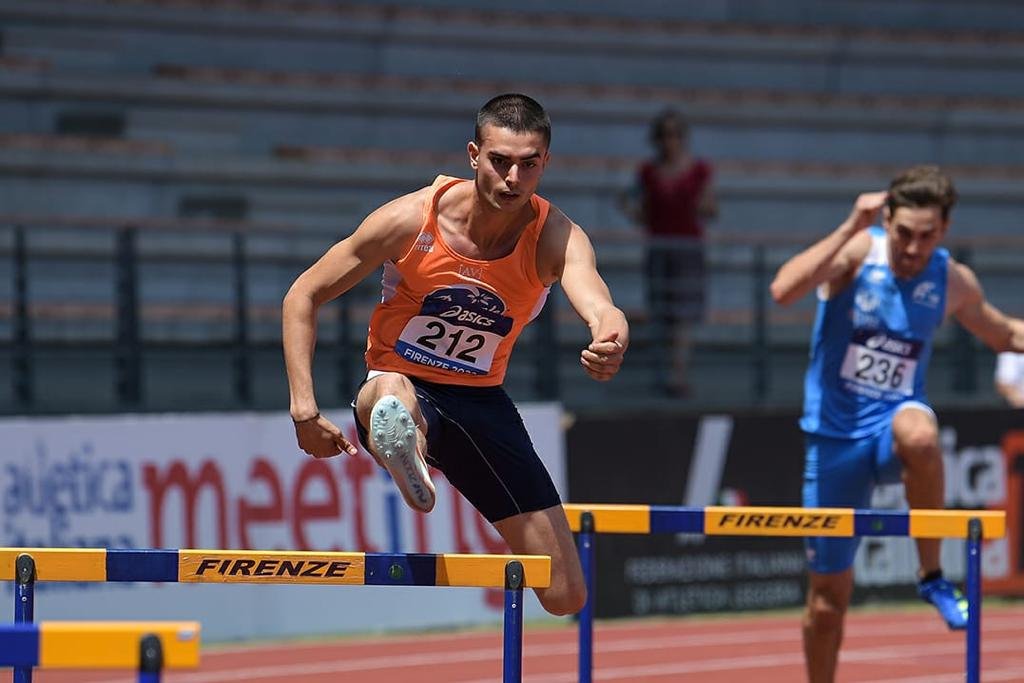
x: 867, y: 523
x: 151, y: 659
x: 24, y: 612
x: 512, y: 656
x: 24, y: 605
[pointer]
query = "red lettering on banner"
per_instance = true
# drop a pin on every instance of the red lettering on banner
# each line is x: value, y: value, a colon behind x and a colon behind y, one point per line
x: 303, y: 511
x: 177, y: 475
x: 249, y: 513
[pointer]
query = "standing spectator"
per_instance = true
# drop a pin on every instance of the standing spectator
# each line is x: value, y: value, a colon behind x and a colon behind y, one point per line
x: 672, y: 198
x: 1010, y: 377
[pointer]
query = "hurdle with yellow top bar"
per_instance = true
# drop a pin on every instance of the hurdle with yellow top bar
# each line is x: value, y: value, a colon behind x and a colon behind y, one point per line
x: 146, y: 646
x: 512, y: 572
x: 974, y: 525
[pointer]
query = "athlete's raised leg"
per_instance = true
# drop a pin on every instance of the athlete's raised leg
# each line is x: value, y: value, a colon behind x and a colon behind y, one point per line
x: 915, y: 438
x: 915, y: 435
x: 389, y: 411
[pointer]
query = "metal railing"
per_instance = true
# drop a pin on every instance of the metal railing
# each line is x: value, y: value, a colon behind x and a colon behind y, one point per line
x: 100, y: 316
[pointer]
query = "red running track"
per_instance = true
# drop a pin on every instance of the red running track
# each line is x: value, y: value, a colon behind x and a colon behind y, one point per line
x: 879, y: 647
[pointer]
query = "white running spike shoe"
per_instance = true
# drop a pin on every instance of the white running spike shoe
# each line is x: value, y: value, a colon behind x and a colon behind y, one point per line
x: 393, y: 435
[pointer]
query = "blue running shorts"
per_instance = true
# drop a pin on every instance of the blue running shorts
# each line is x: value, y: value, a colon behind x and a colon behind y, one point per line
x: 843, y: 473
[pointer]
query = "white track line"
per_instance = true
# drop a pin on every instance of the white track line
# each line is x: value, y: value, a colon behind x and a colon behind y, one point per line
x: 693, y: 640
x: 853, y: 629
x: 764, y: 661
x: 633, y: 644
x: 1010, y: 674
x: 617, y: 673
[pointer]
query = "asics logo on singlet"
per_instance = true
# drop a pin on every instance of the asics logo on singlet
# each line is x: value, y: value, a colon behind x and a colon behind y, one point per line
x: 465, y: 316
x: 875, y: 342
x: 468, y: 306
x: 880, y: 342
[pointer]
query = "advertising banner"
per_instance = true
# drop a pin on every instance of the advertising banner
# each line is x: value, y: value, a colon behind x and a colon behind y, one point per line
x: 238, y: 481
x: 758, y: 460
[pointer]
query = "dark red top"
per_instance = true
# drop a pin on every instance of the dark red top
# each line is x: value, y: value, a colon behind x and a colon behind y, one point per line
x: 671, y: 202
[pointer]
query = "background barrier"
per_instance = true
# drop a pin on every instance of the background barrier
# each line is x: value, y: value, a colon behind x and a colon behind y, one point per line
x: 588, y: 519
x: 742, y: 458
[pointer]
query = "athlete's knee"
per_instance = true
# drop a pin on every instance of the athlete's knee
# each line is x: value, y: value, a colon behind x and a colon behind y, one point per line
x: 920, y: 447
x: 392, y: 383
x: 916, y: 437
x: 825, y: 611
x: 568, y: 591
x: 568, y: 598
x: 388, y: 383
x: 828, y: 596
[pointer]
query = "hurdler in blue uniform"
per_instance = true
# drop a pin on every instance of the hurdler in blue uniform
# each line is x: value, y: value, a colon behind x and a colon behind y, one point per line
x: 882, y: 292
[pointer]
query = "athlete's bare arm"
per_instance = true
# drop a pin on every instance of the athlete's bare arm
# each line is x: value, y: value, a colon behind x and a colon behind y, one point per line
x: 832, y: 261
x: 564, y: 253
x: 1012, y: 393
x: 387, y: 233
x: 966, y: 301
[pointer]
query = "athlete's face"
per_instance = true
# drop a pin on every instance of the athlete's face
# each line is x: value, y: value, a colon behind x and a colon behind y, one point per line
x: 914, y: 233
x: 508, y: 166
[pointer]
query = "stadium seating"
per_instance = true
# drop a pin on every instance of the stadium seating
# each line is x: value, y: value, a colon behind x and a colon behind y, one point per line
x: 302, y: 116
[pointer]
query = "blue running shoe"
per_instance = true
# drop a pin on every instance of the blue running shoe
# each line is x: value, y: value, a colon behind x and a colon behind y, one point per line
x: 947, y: 598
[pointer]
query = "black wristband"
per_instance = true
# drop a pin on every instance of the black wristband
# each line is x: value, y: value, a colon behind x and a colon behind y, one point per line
x: 308, y: 419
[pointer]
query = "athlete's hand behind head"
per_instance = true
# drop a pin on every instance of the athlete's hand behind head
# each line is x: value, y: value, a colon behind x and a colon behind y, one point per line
x: 866, y: 208
x: 321, y: 438
x: 603, y: 357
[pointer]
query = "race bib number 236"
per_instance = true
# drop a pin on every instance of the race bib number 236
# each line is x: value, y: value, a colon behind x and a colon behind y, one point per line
x: 880, y: 365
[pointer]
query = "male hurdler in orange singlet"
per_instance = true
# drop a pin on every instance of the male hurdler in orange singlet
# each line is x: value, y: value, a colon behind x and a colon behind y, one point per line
x: 467, y: 264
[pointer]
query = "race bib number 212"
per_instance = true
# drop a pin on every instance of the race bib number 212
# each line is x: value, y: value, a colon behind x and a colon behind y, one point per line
x: 458, y: 329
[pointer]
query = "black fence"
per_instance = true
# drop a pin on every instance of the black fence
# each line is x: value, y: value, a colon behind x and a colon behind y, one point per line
x: 185, y: 315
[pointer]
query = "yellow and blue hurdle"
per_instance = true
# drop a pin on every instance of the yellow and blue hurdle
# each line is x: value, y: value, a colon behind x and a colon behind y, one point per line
x: 512, y: 572
x: 587, y: 519
x: 146, y: 646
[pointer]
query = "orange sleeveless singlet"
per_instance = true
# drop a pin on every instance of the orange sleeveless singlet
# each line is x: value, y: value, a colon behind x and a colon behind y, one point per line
x: 447, y: 318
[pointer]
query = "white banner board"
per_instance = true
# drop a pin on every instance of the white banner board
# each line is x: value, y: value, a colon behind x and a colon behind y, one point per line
x: 238, y: 481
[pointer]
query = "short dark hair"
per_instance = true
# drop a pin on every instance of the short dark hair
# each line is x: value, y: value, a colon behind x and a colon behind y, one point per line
x: 515, y: 112
x: 922, y: 186
x: 665, y: 119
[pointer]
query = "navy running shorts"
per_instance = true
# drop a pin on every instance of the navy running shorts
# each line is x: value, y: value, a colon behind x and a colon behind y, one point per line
x: 477, y: 438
